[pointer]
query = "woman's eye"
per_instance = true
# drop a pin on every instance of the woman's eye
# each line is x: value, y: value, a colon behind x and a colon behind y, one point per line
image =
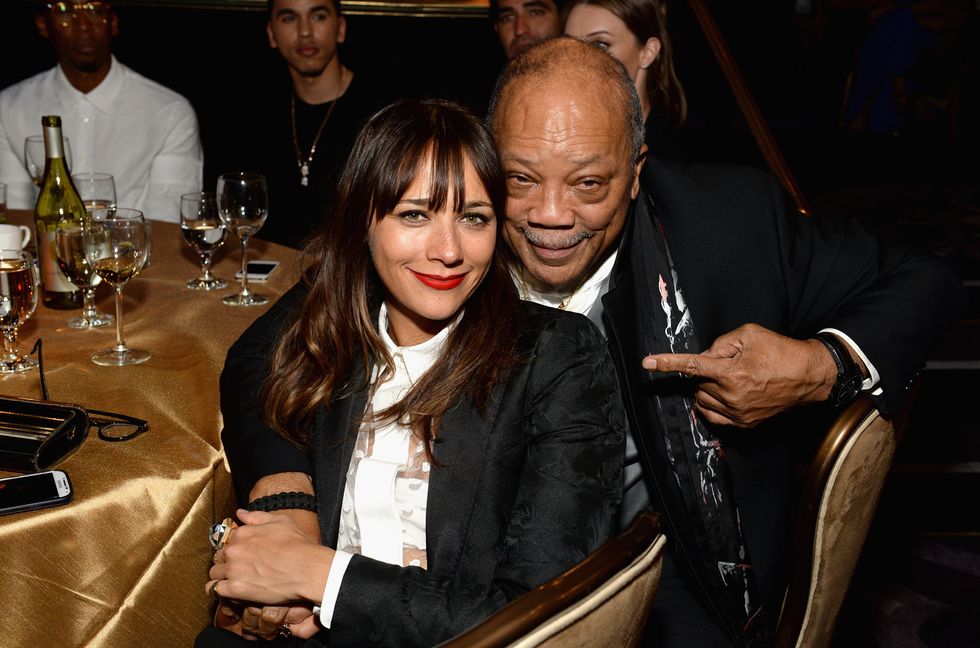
x: 603, y: 45
x: 412, y: 216
x: 475, y: 218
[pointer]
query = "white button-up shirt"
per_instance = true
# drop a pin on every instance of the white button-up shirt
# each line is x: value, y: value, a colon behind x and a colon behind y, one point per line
x: 142, y: 133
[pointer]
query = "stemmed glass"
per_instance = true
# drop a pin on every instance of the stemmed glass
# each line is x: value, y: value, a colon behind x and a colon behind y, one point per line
x: 97, y: 190
x: 243, y: 206
x: 18, y: 299
x: 115, y: 245
x: 204, y: 231
x: 69, y: 245
x: 35, y: 157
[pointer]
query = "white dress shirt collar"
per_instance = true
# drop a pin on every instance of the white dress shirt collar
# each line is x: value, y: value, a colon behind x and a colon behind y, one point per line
x: 582, y: 300
x: 417, y: 359
x: 101, y: 96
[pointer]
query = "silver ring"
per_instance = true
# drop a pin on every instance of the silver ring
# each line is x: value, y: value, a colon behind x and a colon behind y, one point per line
x: 284, y: 632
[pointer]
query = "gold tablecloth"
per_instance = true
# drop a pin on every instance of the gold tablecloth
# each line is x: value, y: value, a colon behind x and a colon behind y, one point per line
x: 125, y: 563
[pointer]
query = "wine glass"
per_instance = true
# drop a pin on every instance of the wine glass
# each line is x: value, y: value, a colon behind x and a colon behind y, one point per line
x: 115, y: 246
x: 243, y: 206
x: 69, y: 245
x: 35, y: 157
x: 97, y: 190
x: 18, y: 299
x: 204, y: 231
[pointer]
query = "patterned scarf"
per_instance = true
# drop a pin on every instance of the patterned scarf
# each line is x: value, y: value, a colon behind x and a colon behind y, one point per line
x: 697, y: 457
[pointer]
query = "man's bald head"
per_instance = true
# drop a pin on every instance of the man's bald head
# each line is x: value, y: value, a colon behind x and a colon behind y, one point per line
x: 572, y: 64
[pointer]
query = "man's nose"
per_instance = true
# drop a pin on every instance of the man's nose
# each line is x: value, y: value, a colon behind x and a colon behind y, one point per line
x: 305, y: 26
x: 550, y: 209
x: 520, y: 24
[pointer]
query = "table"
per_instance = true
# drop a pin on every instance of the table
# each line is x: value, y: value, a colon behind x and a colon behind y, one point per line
x: 125, y: 563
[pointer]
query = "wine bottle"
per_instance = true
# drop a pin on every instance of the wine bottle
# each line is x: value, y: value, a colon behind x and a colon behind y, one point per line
x: 57, y: 202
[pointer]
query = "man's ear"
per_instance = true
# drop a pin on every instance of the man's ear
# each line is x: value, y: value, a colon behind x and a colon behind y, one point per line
x: 113, y: 24
x: 272, y: 37
x: 341, y: 29
x: 42, y: 26
x: 640, y: 159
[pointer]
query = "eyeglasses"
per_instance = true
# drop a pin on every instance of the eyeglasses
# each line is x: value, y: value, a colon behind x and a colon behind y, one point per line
x: 110, y: 426
x: 69, y: 13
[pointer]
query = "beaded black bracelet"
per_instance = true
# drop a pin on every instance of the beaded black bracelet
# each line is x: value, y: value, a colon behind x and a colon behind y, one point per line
x: 290, y: 500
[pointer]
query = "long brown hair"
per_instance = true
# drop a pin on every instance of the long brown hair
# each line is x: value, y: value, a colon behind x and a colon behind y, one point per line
x: 648, y: 19
x: 328, y: 348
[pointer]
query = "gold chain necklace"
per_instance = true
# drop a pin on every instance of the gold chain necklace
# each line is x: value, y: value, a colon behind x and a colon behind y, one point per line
x: 526, y: 294
x: 304, y: 165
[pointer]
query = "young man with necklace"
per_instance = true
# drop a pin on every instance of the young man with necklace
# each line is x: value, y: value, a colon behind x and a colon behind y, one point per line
x: 309, y: 127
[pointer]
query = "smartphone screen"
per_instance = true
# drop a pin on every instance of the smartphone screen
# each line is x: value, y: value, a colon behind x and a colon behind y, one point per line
x: 38, y: 490
x: 258, y: 270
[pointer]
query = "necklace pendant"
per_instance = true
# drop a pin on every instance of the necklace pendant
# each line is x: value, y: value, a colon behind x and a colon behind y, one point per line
x: 304, y: 171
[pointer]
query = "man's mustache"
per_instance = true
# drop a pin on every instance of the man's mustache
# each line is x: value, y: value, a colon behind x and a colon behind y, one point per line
x: 555, y: 241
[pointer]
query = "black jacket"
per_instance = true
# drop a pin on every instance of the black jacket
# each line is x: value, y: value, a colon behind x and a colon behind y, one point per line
x: 518, y: 493
x: 743, y: 254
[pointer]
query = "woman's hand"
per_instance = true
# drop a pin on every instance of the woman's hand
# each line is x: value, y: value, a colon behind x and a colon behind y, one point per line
x: 270, y: 560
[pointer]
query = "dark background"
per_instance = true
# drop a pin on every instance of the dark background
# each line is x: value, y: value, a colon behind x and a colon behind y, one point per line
x: 795, y: 66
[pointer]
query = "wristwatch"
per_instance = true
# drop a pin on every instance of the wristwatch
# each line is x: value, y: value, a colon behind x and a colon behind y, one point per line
x: 849, y: 377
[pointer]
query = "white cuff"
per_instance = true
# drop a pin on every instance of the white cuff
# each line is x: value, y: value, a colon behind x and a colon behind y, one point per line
x: 336, y: 576
x: 871, y: 382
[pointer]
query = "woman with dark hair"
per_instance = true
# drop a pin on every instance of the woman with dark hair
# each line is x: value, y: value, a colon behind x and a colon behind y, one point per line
x: 635, y: 32
x: 465, y: 446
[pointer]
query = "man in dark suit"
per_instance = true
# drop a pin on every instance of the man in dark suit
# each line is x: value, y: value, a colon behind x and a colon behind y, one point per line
x: 703, y: 270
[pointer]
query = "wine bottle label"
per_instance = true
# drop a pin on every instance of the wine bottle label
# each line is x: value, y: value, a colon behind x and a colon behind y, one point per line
x: 51, y: 276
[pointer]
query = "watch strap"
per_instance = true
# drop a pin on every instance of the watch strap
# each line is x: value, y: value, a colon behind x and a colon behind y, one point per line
x: 848, y: 374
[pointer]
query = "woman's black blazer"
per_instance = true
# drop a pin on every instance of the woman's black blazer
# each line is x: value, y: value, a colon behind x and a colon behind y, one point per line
x: 519, y: 492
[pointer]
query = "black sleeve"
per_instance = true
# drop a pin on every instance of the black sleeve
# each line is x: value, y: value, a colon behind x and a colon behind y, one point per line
x: 570, y: 487
x: 253, y: 449
x: 892, y: 299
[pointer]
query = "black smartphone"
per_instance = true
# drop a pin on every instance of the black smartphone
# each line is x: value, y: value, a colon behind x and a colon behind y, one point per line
x: 258, y: 270
x: 34, y: 491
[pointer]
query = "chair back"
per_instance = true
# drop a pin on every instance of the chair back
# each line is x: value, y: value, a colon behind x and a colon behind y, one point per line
x: 602, y: 601
x: 840, y: 494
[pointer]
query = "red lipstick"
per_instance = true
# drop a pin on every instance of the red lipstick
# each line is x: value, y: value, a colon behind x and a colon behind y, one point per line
x: 438, y: 281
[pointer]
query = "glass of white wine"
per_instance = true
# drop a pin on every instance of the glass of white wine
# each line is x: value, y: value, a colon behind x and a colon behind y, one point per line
x: 115, y: 245
x: 35, y: 157
x: 97, y: 190
x: 243, y: 205
x: 204, y: 231
x: 69, y: 245
x: 18, y: 300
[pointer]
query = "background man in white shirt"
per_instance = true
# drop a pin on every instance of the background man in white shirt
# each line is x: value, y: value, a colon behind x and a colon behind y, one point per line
x: 117, y: 121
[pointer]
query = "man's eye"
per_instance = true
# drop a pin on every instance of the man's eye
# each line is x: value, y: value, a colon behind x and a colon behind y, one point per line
x: 505, y: 18
x: 519, y: 179
x: 589, y: 184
